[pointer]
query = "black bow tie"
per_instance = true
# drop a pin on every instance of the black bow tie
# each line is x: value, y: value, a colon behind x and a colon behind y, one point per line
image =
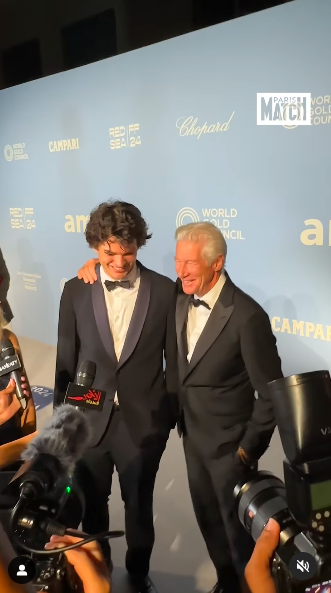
x: 111, y: 284
x: 197, y: 302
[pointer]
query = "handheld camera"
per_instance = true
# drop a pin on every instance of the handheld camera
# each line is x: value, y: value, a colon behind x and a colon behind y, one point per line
x: 302, y: 506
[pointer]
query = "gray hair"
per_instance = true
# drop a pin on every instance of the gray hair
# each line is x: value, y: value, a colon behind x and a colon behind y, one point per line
x: 214, y: 242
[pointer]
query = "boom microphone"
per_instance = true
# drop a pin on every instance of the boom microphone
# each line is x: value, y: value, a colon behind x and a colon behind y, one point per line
x: 48, y: 500
x: 81, y: 394
x: 11, y: 363
x: 55, y: 451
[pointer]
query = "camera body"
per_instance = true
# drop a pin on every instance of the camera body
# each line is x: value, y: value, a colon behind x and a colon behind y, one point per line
x: 302, y: 506
x: 37, y: 518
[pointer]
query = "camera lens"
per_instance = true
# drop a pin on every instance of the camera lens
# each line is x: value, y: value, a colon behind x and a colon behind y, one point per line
x: 261, y: 498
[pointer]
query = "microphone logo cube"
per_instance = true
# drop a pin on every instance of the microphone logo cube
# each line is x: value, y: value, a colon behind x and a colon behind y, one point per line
x: 11, y: 363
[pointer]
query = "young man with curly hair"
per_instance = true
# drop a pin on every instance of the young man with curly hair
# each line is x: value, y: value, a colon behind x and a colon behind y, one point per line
x: 125, y: 323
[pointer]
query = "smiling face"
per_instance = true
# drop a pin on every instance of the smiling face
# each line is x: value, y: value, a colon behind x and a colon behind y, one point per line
x: 117, y: 259
x: 197, y: 275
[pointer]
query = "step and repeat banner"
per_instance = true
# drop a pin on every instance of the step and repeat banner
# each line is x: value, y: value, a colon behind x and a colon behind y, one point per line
x: 173, y: 129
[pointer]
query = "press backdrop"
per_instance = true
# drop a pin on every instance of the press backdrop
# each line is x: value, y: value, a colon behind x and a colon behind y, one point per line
x: 172, y: 128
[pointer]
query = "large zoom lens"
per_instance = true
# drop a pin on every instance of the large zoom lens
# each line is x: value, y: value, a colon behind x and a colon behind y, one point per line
x: 261, y: 498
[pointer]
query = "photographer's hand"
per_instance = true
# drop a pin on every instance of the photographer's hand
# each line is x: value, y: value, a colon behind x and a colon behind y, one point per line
x: 258, y: 577
x: 87, y: 561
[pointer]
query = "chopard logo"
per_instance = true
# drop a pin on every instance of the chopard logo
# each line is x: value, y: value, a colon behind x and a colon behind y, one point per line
x: 188, y: 126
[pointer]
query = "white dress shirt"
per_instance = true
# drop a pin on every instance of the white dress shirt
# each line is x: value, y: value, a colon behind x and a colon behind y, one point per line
x: 120, y: 305
x: 198, y: 316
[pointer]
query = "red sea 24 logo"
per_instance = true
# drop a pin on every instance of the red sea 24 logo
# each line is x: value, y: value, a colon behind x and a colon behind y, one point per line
x: 22, y: 218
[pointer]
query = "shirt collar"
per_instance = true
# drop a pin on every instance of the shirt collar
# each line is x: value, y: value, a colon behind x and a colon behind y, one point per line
x: 211, y: 297
x: 132, y: 276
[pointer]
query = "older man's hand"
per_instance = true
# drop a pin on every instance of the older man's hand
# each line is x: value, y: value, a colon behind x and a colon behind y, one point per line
x: 258, y: 577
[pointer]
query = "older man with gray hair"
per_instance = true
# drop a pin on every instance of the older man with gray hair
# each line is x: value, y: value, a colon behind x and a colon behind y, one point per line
x: 226, y: 354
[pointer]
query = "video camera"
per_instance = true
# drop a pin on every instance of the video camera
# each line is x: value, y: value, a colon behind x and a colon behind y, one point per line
x: 302, y: 506
x: 43, y: 499
x: 30, y: 518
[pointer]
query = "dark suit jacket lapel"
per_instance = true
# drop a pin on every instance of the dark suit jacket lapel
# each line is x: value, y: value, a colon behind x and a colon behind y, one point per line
x: 138, y: 316
x: 217, y: 321
x: 101, y: 316
x: 181, y: 318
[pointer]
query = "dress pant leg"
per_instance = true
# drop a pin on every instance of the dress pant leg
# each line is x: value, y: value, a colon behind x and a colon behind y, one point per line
x: 208, y: 513
x: 226, y: 473
x: 94, y: 476
x: 137, y: 468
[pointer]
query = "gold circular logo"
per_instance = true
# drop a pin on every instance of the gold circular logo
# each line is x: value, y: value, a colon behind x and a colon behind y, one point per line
x: 8, y: 152
x: 186, y: 213
x: 298, y: 107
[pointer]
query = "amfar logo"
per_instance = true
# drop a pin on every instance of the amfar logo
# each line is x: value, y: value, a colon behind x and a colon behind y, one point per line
x: 75, y: 224
x: 284, y: 109
x: 315, y: 235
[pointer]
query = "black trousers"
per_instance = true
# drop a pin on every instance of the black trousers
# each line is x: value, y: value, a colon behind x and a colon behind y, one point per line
x: 211, y: 483
x: 137, y: 468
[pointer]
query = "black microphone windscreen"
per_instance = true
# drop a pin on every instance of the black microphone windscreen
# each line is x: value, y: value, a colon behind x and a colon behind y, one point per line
x: 66, y: 436
x: 86, y: 373
x: 7, y: 348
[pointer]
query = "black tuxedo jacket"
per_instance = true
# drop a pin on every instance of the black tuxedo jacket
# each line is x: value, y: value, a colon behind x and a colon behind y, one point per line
x: 149, y: 408
x: 4, y: 287
x: 235, y: 356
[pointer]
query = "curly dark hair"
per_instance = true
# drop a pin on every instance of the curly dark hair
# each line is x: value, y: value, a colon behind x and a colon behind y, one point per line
x: 117, y: 219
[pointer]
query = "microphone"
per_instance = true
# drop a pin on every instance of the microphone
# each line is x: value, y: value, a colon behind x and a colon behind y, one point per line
x: 54, y: 452
x: 86, y: 373
x: 81, y: 394
x: 11, y: 363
